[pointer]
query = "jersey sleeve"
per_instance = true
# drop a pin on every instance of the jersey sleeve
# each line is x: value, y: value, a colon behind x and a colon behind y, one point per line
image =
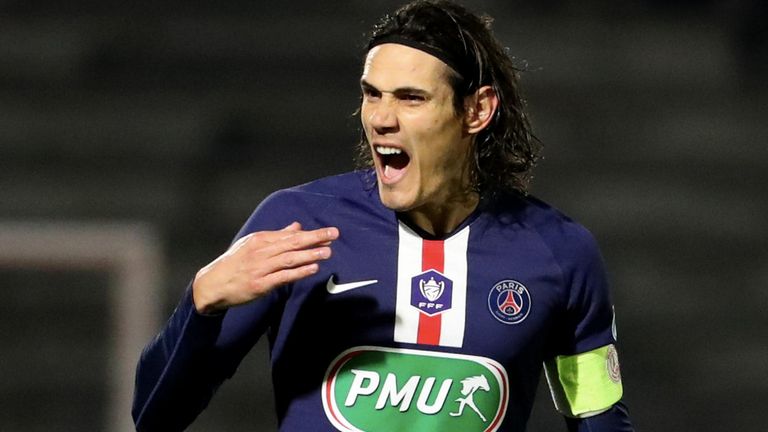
x: 181, y: 368
x: 616, y: 419
x: 583, y: 372
x: 589, y: 310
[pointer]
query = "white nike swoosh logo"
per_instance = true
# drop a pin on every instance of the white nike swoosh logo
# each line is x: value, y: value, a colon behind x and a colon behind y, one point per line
x: 335, y: 288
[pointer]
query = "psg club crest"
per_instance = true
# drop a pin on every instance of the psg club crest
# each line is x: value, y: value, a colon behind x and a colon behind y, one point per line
x: 612, y: 364
x: 509, y: 301
x: 431, y: 292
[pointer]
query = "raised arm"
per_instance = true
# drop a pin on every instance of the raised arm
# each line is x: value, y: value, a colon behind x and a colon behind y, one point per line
x: 207, y: 335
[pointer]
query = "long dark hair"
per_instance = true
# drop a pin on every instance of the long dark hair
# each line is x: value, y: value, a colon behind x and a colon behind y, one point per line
x: 506, y: 151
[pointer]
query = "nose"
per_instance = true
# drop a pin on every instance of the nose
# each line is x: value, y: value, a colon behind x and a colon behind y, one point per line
x: 383, y: 117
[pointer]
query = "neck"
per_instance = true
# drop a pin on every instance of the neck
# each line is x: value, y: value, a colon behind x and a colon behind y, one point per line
x: 443, y: 219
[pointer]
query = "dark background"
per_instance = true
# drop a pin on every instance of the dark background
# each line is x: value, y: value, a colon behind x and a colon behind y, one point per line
x: 184, y: 115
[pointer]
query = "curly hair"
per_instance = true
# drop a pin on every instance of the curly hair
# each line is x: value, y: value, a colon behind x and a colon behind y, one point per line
x: 506, y: 151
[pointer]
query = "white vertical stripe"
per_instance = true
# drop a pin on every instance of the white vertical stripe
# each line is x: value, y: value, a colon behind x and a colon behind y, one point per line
x: 408, y: 266
x: 455, y: 269
x: 409, y: 260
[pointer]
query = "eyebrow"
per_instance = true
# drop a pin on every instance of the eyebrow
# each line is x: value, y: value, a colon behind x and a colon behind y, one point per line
x: 398, y: 91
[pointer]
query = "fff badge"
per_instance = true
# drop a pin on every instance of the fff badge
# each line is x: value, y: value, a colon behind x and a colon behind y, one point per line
x: 431, y: 292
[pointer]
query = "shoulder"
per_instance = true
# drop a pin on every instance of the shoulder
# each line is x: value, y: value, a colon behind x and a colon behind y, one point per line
x: 567, y: 239
x: 339, y: 185
x: 350, y: 185
x: 309, y: 202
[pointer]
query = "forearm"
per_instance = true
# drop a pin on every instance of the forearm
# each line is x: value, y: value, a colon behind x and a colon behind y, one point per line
x: 176, y: 378
x: 615, y: 419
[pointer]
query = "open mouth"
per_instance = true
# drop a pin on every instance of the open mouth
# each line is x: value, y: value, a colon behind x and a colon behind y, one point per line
x: 393, y: 160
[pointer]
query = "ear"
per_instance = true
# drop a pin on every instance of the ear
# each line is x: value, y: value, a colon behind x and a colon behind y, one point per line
x: 480, y: 108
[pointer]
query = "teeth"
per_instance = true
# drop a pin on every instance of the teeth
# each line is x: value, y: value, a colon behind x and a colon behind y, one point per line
x: 387, y: 150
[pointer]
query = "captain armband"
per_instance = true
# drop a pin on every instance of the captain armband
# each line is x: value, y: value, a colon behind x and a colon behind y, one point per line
x: 585, y: 384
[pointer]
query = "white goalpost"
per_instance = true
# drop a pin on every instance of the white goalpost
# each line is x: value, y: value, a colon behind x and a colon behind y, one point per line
x: 131, y: 254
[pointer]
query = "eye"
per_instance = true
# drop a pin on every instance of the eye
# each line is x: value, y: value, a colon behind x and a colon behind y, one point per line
x: 412, y: 98
x: 371, y: 93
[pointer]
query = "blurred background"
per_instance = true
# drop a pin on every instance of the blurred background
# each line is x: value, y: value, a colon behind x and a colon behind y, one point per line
x: 136, y: 138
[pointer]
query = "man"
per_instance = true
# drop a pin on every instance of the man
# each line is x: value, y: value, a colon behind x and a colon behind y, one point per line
x: 422, y: 294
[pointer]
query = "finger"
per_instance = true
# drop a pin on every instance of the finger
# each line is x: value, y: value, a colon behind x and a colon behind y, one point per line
x: 265, y: 284
x: 286, y: 232
x: 261, y: 237
x: 293, y: 259
x: 302, y: 240
x: 293, y: 226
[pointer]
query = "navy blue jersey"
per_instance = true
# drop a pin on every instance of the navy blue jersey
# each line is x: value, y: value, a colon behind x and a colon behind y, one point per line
x: 398, y: 330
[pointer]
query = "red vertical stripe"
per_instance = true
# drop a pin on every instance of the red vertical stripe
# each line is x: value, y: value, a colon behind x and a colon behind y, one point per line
x: 432, y: 258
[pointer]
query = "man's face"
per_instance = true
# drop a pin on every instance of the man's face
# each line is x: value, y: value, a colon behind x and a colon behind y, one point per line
x: 419, y: 145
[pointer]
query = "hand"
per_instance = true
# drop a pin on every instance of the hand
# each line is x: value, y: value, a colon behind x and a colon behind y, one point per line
x: 258, y: 263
